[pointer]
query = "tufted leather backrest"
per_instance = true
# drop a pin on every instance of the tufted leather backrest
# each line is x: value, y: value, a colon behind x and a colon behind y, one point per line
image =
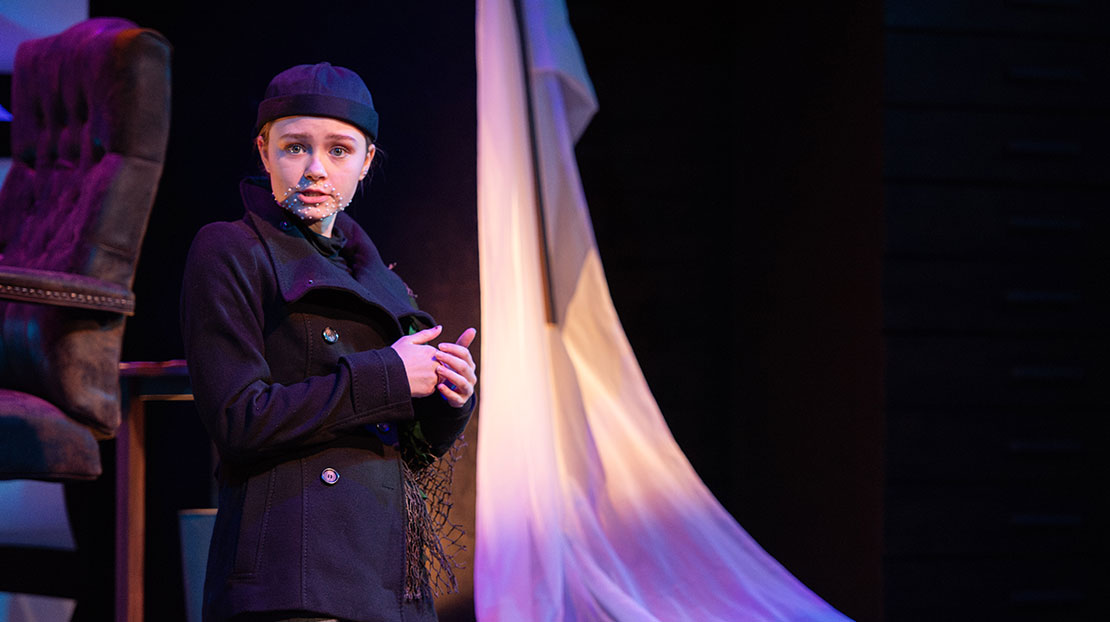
x: 89, y: 131
x: 90, y: 124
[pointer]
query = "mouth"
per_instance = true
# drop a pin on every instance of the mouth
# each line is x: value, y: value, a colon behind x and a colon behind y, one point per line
x: 309, y: 196
x: 312, y: 202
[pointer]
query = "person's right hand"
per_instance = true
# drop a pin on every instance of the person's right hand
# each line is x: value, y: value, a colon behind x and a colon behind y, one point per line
x: 420, y: 360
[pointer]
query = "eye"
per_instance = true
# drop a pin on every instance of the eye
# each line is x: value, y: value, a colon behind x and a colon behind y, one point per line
x: 295, y: 149
x: 339, y: 151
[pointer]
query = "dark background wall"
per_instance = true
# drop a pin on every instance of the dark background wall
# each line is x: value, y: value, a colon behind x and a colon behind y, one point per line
x: 733, y: 175
x: 996, y: 118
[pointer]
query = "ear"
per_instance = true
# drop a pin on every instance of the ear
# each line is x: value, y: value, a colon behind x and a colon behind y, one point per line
x: 370, y: 151
x: 261, y: 145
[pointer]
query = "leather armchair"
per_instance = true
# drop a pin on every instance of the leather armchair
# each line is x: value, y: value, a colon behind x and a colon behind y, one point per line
x: 91, y: 116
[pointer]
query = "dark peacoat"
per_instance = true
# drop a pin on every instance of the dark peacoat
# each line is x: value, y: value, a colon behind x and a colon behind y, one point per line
x: 296, y: 383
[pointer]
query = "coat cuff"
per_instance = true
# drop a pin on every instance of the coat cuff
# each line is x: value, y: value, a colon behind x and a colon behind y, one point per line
x: 379, y: 383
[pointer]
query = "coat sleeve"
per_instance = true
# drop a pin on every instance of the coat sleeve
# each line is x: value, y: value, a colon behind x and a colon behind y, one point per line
x: 227, y: 279
x: 441, y: 423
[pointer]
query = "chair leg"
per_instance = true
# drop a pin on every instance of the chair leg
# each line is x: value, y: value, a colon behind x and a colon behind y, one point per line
x: 130, y: 511
x: 42, y: 572
x: 90, y: 510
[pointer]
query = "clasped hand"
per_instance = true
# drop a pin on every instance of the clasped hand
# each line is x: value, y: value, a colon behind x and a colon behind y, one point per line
x: 447, y: 368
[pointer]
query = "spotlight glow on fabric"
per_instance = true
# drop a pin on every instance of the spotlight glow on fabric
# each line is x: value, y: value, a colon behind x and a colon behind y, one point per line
x: 586, y: 507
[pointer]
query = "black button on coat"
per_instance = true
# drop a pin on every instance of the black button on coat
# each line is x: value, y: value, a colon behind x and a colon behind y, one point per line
x: 283, y: 405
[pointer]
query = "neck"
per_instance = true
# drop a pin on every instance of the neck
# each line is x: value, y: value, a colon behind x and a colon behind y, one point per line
x: 324, y: 226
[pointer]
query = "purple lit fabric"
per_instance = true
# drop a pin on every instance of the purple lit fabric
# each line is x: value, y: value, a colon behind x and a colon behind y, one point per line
x: 586, y: 508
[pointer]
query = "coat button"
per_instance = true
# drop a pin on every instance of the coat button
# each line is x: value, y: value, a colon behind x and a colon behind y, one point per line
x: 330, y: 476
x: 330, y: 334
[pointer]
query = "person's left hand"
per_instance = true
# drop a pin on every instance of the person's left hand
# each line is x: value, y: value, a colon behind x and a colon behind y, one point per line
x: 456, y: 369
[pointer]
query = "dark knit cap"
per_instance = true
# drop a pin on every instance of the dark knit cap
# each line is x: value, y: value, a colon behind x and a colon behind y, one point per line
x: 319, y: 90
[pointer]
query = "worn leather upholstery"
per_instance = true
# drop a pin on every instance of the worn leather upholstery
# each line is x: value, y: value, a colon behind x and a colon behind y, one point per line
x: 91, y: 114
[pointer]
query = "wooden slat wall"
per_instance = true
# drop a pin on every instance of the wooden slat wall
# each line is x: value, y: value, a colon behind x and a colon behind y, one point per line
x: 997, y: 183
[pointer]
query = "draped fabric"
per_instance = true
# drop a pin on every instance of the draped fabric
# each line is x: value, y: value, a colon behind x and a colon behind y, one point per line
x: 586, y: 507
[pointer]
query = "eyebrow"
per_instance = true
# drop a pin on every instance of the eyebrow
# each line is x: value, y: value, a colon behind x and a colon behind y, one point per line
x: 306, y: 137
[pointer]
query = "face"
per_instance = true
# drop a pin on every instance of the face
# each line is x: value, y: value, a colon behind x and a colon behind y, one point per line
x: 315, y: 164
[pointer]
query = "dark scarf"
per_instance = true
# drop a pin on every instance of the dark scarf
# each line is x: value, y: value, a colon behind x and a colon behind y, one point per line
x: 331, y: 248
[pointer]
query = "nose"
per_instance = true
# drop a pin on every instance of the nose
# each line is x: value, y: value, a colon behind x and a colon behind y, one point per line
x: 315, y: 170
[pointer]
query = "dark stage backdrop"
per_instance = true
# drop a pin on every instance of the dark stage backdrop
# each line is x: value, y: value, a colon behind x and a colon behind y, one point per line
x: 732, y: 174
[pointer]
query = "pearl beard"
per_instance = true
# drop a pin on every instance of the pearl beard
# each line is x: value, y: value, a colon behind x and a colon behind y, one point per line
x: 312, y: 212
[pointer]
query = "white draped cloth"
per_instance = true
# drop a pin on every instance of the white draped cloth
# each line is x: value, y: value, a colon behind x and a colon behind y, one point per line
x: 586, y: 507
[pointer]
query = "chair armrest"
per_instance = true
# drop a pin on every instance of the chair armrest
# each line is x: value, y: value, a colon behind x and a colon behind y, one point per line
x: 63, y: 289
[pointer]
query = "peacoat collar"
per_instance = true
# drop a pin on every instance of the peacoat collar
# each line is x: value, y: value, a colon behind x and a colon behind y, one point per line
x: 299, y: 268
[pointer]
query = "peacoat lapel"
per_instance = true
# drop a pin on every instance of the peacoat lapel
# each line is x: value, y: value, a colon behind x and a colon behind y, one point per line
x: 299, y: 268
